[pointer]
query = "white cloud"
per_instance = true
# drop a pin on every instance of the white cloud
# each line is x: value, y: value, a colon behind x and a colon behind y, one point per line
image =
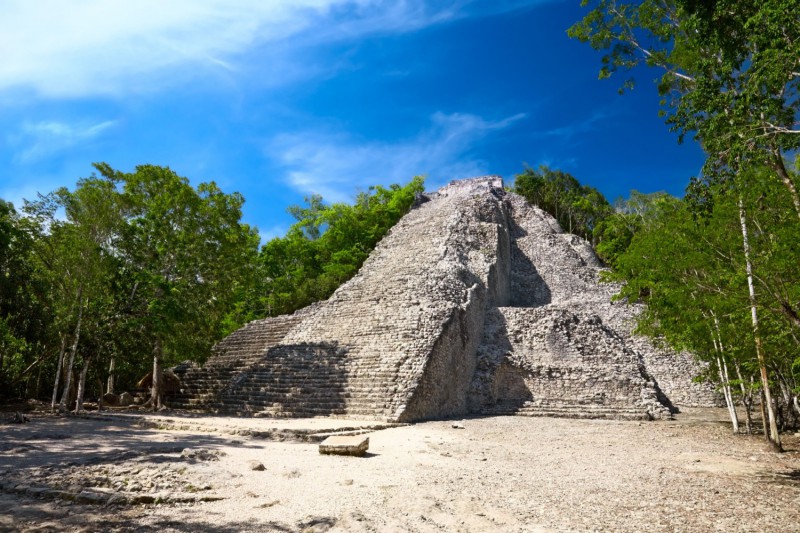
x: 334, y: 165
x: 65, y: 49
x: 39, y: 139
x: 98, y: 46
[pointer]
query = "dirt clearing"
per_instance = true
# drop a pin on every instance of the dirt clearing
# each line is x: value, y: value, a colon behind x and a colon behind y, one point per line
x: 495, y: 474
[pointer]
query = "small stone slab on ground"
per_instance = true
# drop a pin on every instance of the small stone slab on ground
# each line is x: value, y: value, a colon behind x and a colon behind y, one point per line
x: 258, y: 466
x: 345, y: 445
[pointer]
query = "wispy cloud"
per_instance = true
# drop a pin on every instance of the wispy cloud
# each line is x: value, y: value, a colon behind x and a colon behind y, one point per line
x: 582, y: 126
x: 40, y: 139
x: 92, y: 47
x: 335, y: 164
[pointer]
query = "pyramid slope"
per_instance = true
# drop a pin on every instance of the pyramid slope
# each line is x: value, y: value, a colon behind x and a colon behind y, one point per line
x: 442, y: 320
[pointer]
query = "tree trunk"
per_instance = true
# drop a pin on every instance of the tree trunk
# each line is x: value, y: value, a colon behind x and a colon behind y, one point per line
x: 157, y: 377
x: 764, y: 419
x: 747, y: 398
x: 62, y: 406
x: 774, y: 436
x: 58, y: 370
x: 722, y: 368
x: 784, y: 175
x: 110, y: 383
x: 789, y: 397
x: 38, y: 382
x: 100, y: 399
x: 82, y: 386
x: 726, y: 391
x: 730, y: 394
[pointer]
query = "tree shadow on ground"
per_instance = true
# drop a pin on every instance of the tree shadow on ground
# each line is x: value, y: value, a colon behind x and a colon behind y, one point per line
x: 67, y: 441
x: 28, y: 514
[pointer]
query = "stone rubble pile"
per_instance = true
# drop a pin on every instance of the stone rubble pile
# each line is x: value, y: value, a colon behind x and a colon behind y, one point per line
x: 475, y: 302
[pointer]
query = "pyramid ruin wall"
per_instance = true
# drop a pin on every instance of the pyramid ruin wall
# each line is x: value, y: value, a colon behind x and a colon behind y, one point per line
x: 565, y: 355
x: 407, y: 319
x: 473, y: 298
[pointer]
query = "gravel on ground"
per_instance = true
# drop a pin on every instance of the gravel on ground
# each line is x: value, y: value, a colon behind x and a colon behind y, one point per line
x: 64, y: 473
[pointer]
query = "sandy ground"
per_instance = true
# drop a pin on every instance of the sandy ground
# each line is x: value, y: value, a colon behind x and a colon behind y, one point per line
x: 496, y: 474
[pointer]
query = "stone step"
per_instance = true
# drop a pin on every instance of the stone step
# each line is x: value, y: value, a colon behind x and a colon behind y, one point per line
x: 279, y: 407
x: 339, y: 389
x: 610, y: 415
x: 294, y: 408
x: 286, y: 400
x: 574, y: 411
x: 300, y: 384
x: 266, y: 380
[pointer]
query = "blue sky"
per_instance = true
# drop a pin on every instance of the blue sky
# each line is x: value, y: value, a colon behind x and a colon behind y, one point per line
x: 278, y: 100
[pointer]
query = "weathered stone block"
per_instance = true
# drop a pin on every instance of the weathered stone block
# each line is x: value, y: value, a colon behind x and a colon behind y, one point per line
x: 356, y: 445
x: 125, y: 399
x: 110, y: 398
x: 91, y: 497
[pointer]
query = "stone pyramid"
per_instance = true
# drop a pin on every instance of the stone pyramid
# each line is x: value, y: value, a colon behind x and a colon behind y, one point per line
x: 474, y: 303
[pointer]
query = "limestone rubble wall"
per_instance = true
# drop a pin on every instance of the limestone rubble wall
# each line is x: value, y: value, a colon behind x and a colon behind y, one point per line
x: 569, y: 277
x: 674, y: 372
x: 553, y: 357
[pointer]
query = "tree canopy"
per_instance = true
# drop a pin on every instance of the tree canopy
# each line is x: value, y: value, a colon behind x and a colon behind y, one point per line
x: 731, y: 79
x: 577, y: 208
x: 691, y: 272
x: 126, y: 264
x: 731, y: 75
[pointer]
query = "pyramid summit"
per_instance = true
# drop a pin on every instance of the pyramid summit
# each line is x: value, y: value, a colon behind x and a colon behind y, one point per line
x: 474, y: 303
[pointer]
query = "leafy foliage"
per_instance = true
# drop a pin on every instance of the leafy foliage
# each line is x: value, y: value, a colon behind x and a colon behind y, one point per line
x: 578, y: 208
x: 692, y: 274
x: 24, y: 309
x: 731, y: 78
x: 123, y: 260
x: 731, y: 75
x: 614, y: 233
x: 184, y: 251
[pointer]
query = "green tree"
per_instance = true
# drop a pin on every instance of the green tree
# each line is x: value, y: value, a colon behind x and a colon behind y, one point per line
x: 91, y: 273
x: 183, y: 251
x: 310, y: 218
x: 701, y: 290
x: 731, y: 74
x: 24, y: 306
x: 577, y: 208
x: 77, y: 256
x: 613, y: 233
x: 730, y: 79
x: 95, y: 211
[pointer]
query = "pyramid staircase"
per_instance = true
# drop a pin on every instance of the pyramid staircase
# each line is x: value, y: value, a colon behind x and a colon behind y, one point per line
x: 422, y: 332
x: 230, y: 359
